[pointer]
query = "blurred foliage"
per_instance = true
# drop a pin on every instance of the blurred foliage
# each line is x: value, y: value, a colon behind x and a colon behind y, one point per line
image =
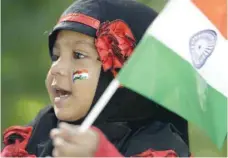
x: 25, y: 62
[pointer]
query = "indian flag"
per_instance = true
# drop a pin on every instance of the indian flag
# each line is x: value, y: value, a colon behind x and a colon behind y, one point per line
x: 80, y: 75
x: 182, y: 63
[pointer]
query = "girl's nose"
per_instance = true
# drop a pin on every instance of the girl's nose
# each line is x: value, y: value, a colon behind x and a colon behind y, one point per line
x: 60, y: 68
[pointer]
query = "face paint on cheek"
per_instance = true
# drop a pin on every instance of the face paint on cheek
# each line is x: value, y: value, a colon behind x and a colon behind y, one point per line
x: 80, y: 75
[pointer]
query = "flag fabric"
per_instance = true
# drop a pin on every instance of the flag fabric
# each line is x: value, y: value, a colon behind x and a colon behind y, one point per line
x: 182, y: 64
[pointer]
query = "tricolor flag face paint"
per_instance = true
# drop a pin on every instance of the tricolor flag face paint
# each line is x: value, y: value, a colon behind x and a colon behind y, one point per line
x: 80, y: 75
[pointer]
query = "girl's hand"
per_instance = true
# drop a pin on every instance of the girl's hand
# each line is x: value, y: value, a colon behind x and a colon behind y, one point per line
x: 68, y: 142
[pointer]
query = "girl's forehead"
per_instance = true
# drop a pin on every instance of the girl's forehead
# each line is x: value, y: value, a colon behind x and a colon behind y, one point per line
x: 73, y: 34
x: 73, y: 37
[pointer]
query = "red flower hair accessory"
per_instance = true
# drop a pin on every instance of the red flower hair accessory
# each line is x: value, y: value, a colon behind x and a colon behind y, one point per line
x: 115, y: 43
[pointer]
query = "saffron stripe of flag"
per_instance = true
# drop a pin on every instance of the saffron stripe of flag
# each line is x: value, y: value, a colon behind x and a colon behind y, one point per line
x: 216, y: 11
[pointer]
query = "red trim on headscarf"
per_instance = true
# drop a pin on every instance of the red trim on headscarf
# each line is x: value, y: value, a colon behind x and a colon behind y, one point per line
x: 81, y: 18
x: 154, y: 153
x: 17, y: 149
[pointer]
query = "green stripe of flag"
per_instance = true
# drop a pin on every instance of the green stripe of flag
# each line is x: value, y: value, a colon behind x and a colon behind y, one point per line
x: 159, y: 74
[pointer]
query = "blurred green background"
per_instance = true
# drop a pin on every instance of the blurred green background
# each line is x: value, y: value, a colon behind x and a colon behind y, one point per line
x: 25, y: 62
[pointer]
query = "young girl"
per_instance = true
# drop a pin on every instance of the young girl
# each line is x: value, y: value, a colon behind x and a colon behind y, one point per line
x: 89, y: 44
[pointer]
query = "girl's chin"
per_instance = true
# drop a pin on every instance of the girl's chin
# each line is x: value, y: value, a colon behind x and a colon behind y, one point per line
x: 67, y: 114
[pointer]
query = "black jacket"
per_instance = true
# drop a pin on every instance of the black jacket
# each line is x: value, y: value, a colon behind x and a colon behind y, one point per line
x: 130, y: 138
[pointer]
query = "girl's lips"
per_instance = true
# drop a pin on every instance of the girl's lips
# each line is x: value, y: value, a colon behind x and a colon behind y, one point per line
x: 60, y: 90
x: 61, y: 96
x: 60, y: 101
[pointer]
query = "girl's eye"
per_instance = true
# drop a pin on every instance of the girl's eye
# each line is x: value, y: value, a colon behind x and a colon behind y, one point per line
x: 54, y: 57
x: 78, y: 55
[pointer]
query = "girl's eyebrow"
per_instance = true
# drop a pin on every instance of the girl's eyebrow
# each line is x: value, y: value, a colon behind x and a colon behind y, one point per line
x: 84, y: 42
x: 57, y: 45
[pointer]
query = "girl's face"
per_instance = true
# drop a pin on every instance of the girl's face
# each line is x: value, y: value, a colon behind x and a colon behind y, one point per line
x: 73, y: 76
